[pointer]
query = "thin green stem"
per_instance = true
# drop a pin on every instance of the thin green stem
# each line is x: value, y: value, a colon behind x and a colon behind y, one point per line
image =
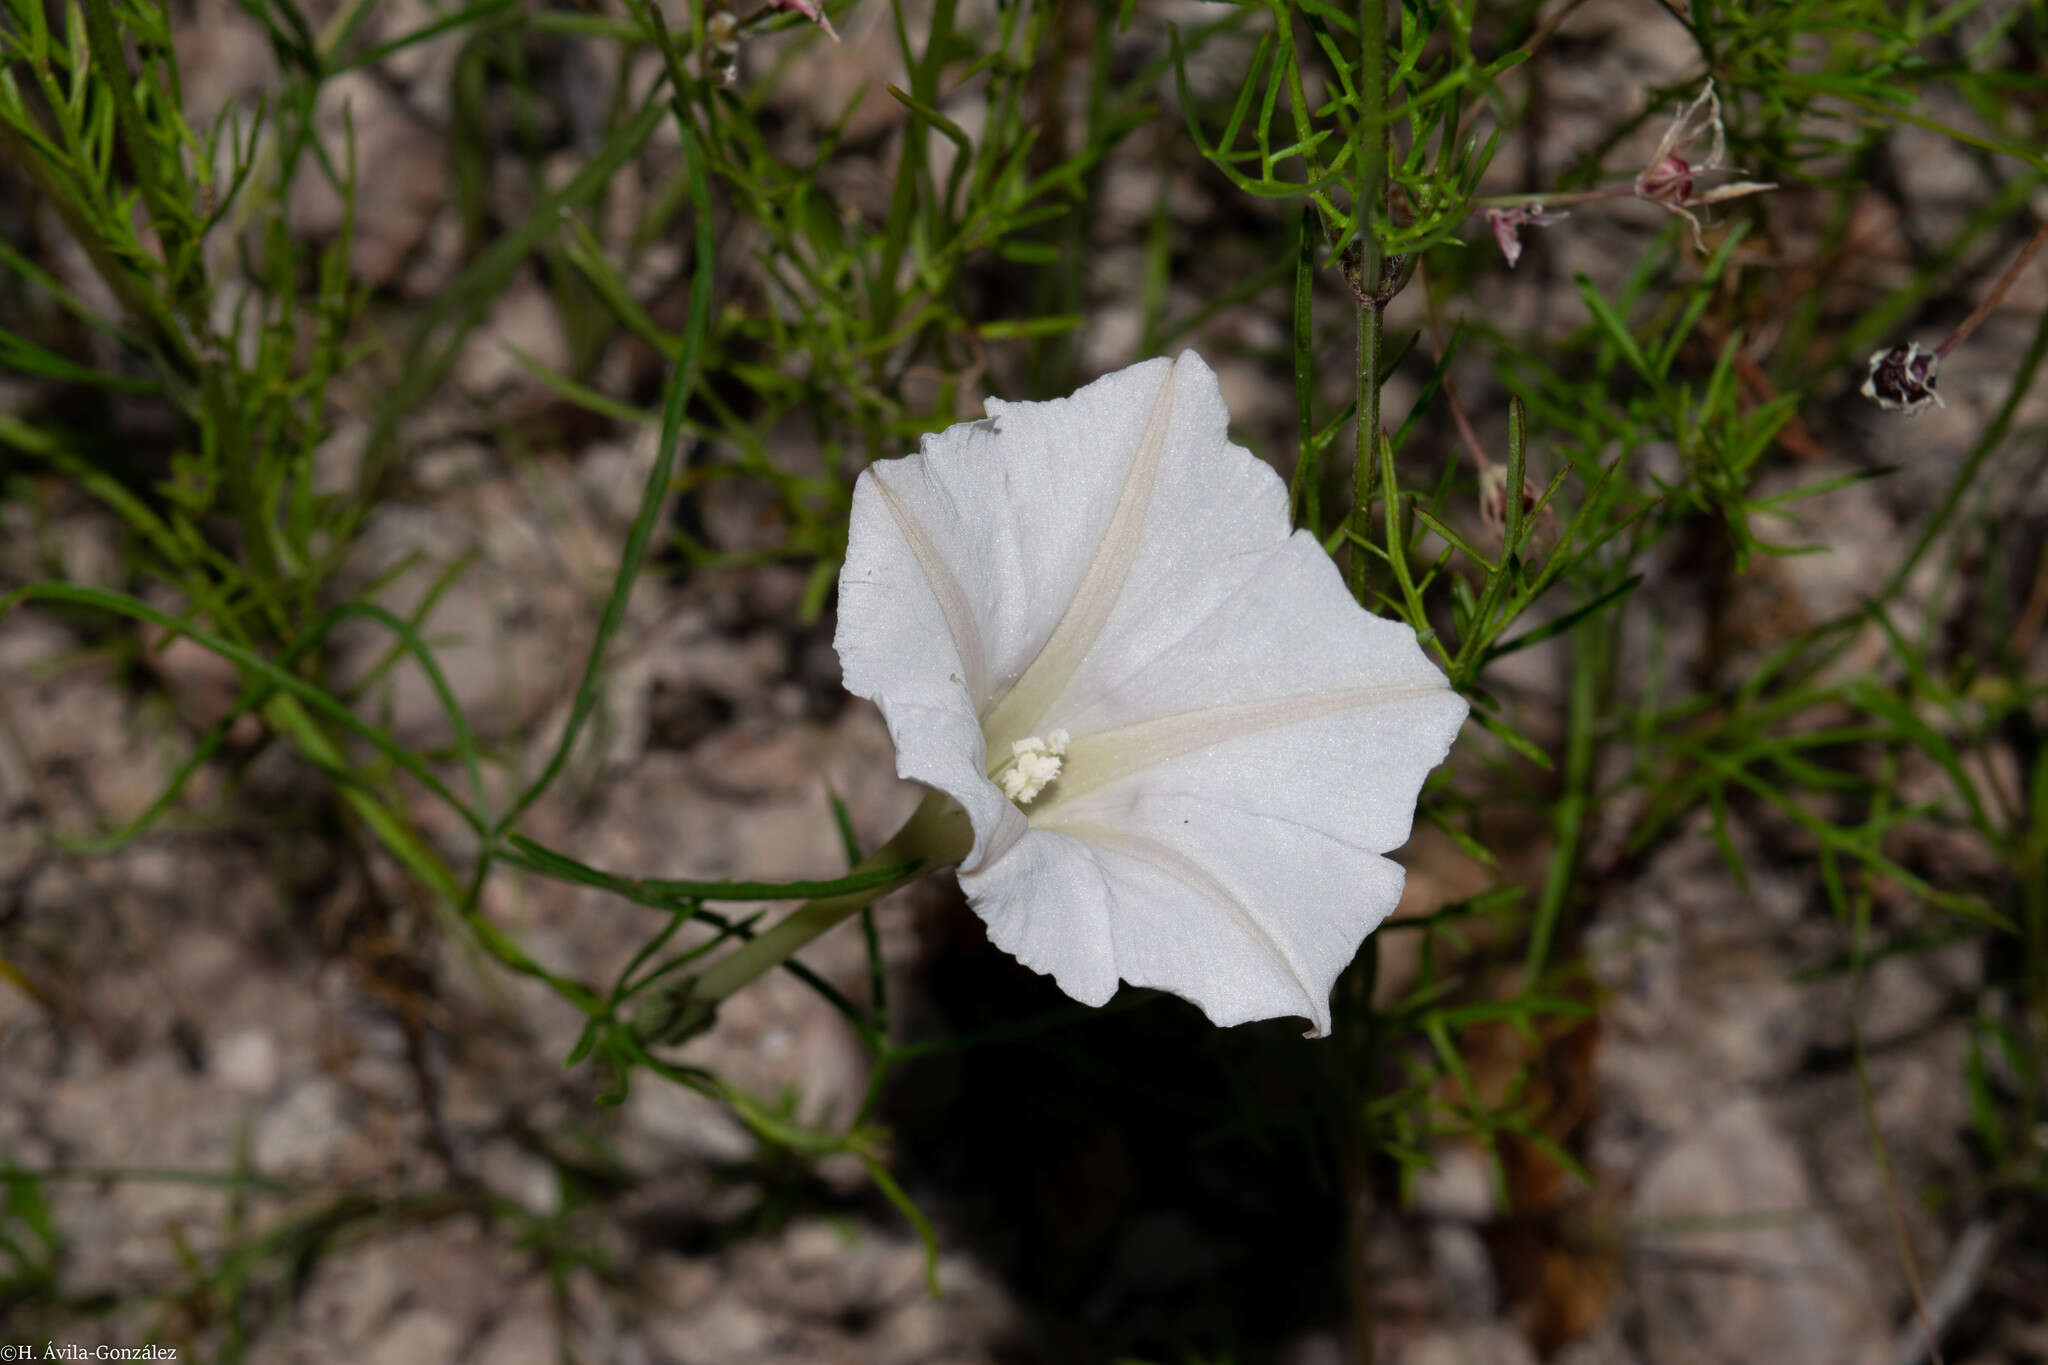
x: 1568, y: 816
x: 1371, y: 346
x: 1515, y: 201
x: 897, y: 236
x: 111, y: 60
x: 936, y: 834
x: 2033, y: 856
x: 1370, y: 155
x: 1369, y: 135
x: 164, y: 332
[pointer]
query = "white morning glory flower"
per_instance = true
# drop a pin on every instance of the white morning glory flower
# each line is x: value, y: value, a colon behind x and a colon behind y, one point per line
x: 1182, y: 747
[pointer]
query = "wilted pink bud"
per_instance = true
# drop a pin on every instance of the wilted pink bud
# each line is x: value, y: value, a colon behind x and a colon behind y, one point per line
x: 1507, y: 225
x: 812, y: 10
x: 1669, y: 178
x: 1668, y: 181
x: 1902, y: 378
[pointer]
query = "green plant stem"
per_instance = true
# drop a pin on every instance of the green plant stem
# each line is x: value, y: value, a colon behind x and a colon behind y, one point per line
x: 285, y: 715
x: 111, y: 60
x: 1371, y: 346
x: 935, y: 835
x: 1568, y: 816
x: 1370, y: 135
x: 263, y: 170
x: 163, y: 332
x: 2033, y: 856
x: 1550, y: 198
x: 1370, y: 151
x: 897, y: 235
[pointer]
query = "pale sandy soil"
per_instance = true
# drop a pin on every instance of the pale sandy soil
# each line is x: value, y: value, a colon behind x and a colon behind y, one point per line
x: 252, y: 988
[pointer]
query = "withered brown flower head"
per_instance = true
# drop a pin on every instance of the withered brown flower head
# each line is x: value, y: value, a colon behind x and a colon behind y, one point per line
x: 1902, y: 378
x: 1670, y: 179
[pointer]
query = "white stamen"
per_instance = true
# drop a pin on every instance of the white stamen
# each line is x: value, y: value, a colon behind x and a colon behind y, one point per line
x: 1033, y: 764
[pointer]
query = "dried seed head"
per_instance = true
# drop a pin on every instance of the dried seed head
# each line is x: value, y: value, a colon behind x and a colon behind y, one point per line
x: 1902, y: 378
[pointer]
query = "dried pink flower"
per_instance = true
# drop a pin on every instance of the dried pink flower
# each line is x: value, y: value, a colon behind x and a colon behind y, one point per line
x: 1507, y: 225
x: 809, y: 9
x: 1670, y: 179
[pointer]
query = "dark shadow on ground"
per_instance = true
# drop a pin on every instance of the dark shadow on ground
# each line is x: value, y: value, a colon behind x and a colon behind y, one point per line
x: 1148, y: 1185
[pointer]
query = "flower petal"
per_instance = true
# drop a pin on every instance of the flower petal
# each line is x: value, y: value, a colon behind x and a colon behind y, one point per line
x: 1243, y: 875
x: 1351, y: 765
x: 1233, y: 794
x: 1096, y: 597
x: 1256, y: 924
x: 1260, y: 613
x: 964, y: 559
x: 1246, y: 741
x: 1733, y: 190
x: 1049, y: 903
x: 909, y: 638
x: 1212, y: 514
x: 1016, y: 504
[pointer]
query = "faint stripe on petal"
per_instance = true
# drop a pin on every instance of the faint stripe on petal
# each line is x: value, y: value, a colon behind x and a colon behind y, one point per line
x: 1094, y: 761
x: 1040, y: 685
x: 945, y: 588
x: 1196, y: 878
